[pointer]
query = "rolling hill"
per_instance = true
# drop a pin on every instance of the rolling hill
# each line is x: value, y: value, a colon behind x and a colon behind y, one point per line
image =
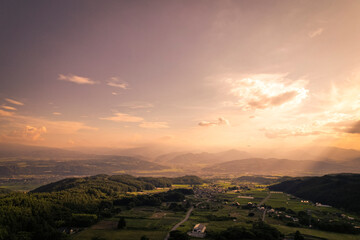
x: 338, y: 190
x: 119, y: 183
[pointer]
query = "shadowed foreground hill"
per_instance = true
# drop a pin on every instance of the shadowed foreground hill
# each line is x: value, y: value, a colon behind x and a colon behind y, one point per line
x: 338, y: 190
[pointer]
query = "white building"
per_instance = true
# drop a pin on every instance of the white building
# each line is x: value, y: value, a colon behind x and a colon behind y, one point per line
x: 198, y: 231
x: 199, y: 228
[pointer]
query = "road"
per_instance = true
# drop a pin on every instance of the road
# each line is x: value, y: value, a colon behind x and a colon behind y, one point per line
x: 179, y: 223
x: 261, y: 203
x: 264, y: 200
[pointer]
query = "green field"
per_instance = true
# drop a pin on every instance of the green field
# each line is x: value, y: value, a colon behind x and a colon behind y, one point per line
x: 140, y: 221
x: 119, y: 234
x: 318, y: 233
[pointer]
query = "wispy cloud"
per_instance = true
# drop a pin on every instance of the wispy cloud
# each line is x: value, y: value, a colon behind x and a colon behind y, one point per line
x: 294, y: 132
x: 76, y: 79
x: 8, y: 108
x: 14, y: 101
x: 219, y: 122
x: 154, y: 125
x: 315, y: 33
x: 57, y: 113
x: 355, y: 128
x: 137, y: 105
x: 123, y: 117
x: 266, y: 91
x: 115, y: 82
x: 5, y: 113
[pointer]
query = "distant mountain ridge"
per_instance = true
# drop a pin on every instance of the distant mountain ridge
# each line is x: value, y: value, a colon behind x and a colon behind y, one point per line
x: 25, y: 151
x: 18, y: 160
x: 258, y: 166
x: 181, y: 158
x: 92, y: 166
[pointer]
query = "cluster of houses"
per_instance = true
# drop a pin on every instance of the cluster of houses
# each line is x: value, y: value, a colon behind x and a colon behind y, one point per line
x: 208, y: 192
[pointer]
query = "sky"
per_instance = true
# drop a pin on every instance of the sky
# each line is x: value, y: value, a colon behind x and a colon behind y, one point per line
x: 183, y: 74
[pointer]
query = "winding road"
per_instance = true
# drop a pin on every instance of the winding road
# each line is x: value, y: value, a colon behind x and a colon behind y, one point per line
x: 179, y: 223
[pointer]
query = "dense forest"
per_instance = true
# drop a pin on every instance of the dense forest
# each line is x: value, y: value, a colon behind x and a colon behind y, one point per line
x: 79, y: 202
x: 337, y: 190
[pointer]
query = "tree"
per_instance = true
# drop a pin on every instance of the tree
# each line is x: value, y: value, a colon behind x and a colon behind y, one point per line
x: 298, y: 236
x: 178, y: 235
x: 121, y: 223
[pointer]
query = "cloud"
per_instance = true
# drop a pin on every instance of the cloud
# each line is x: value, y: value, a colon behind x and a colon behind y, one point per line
x: 355, y: 128
x: 137, y: 105
x: 315, y: 33
x: 8, y: 108
x: 295, y: 132
x: 26, y: 129
x: 14, y: 101
x: 265, y: 102
x: 122, y: 117
x: 57, y: 113
x: 219, y: 122
x: 26, y: 133
x: 154, y: 125
x: 266, y: 91
x: 115, y: 82
x: 5, y: 113
x: 76, y: 79
x: 34, y: 133
x: 347, y: 126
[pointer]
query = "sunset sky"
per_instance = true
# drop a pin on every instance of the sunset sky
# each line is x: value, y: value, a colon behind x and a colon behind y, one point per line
x: 199, y: 74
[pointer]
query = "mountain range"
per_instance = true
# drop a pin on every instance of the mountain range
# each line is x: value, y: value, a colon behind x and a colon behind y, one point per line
x: 20, y: 160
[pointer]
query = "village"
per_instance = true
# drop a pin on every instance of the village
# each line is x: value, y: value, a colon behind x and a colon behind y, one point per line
x: 242, y: 205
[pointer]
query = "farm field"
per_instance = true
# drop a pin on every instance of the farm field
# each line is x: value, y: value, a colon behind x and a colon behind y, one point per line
x: 317, y: 233
x: 140, y: 221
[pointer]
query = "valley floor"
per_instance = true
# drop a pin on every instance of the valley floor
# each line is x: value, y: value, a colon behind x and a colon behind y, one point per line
x: 218, y: 210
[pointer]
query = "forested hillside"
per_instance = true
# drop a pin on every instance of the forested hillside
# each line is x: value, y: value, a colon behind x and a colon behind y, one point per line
x: 78, y: 202
x: 115, y: 184
x: 338, y: 190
